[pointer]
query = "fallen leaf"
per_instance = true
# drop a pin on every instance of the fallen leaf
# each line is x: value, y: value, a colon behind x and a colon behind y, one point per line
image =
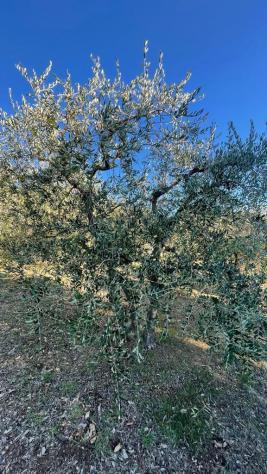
x: 8, y: 431
x: 43, y: 451
x: 117, y: 448
x: 82, y: 426
x: 124, y: 454
x: 220, y: 444
x: 92, y: 433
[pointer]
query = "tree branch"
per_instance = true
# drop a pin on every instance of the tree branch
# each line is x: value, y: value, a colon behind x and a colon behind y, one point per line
x: 157, y: 193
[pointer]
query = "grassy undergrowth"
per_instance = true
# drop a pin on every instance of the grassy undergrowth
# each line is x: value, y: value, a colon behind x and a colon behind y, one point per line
x: 184, y: 415
x: 178, y: 411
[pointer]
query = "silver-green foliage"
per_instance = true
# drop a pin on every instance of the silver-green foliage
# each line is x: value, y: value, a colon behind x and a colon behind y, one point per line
x: 115, y: 183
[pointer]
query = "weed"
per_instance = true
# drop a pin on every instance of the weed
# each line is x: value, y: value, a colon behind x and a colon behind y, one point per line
x: 68, y: 388
x: 54, y: 430
x: 48, y: 377
x: 75, y: 413
x: 183, y: 415
x: 34, y: 417
x: 90, y: 366
x: 245, y: 378
x: 148, y: 438
x: 102, y: 444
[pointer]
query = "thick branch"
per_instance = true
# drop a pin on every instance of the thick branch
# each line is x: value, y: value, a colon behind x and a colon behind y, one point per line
x: 157, y: 193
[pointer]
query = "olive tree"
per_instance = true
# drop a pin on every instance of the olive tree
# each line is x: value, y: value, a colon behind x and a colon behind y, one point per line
x: 223, y: 251
x: 103, y: 174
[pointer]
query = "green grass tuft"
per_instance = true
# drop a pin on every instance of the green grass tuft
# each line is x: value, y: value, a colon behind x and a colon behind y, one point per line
x: 185, y: 415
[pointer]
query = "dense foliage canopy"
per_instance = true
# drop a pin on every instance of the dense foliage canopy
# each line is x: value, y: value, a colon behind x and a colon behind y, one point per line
x: 120, y: 190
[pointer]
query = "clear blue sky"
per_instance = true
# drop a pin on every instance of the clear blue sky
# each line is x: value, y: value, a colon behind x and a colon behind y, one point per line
x: 223, y: 43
